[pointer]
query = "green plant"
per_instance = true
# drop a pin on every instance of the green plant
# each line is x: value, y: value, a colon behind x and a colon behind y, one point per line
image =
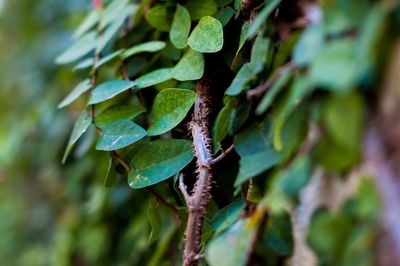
x: 224, y: 110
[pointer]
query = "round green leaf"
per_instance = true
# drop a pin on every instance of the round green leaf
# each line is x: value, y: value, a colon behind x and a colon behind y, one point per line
x: 119, y: 134
x: 83, y: 46
x: 180, y: 27
x: 159, y: 160
x: 207, y: 36
x: 81, y: 88
x: 108, y: 90
x: 190, y: 67
x: 169, y: 109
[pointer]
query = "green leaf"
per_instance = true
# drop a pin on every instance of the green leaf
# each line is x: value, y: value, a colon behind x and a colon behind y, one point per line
x: 119, y: 134
x: 159, y: 160
x: 160, y: 17
x: 199, y: 9
x: 109, y: 89
x: 221, y: 125
x: 118, y: 112
x: 256, y: 152
x: 224, y: 15
x: 109, y: 34
x: 180, y: 27
x: 241, y: 80
x: 232, y: 246
x: 296, y: 176
x: 81, y: 88
x: 108, y: 58
x: 273, y: 92
x: 278, y: 236
x: 88, y: 23
x: 80, y: 127
x: 308, y: 45
x: 80, y: 48
x: 262, y: 17
x: 156, y: 222
x: 334, y: 66
x: 190, y: 67
x: 152, y: 78
x: 114, y: 11
x: 152, y: 46
x: 259, y: 54
x: 169, y: 109
x: 225, y: 217
x: 207, y: 36
x: 111, y: 176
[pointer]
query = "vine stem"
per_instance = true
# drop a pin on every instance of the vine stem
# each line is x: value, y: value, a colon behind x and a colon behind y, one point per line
x: 198, y: 200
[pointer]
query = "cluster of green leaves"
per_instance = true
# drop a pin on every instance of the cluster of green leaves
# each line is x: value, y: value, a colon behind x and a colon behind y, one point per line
x: 135, y: 66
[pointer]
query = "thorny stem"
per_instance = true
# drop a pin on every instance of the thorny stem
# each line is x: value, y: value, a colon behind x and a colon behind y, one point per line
x: 197, y: 201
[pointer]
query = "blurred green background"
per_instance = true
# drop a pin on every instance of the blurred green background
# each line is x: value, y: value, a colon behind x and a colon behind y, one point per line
x: 53, y: 214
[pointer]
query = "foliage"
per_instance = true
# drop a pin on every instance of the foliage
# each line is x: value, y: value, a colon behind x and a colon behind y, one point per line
x: 291, y: 93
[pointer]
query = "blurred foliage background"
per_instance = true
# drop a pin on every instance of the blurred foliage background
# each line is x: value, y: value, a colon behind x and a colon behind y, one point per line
x: 49, y: 213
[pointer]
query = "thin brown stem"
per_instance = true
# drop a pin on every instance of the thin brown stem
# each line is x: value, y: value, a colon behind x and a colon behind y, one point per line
x: 223, y: 154
x: 262, y: 88
x: 197, y: 202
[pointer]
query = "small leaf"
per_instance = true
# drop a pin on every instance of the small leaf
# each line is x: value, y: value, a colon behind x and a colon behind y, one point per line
x: 109, y: 89
x: 160, y: 17
x: 159, y: 160
x: 111, y: 176
x: 273, y: 92
x: 169, y: 109
x: 224, y: 15
x: 254, y: 145
x: 88, y: 23
x: 308, y: 45
x: 118, y: 112
x: 75, y: 93
x: 152, y: 46
x: 207, y: 36
x: 190, y: 67
x: 221, y: 125
x: 180, y: 27
x: 241, y: 80
x: 109, y: 34
x: 259, y: 54
x: 152, y: 78
x: 155, y: 219
x: 119, y: 134
x: 80, y: 127
x: 199, y: 9
x: 108, y: 58
x: 81, y: 47
x: 225, y: 217
x: 262, y: 17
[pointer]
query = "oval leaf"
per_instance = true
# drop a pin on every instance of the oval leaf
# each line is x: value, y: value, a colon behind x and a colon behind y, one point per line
x: 118, y: 112
x: 199, y: 9
x: 119, y: 134
x: 169, y: 109
x: 80, y: 127
x: 180, y: 27
x: 159, y: 160
x: 83, y: 46
x: 75, y: 93
x: 207, y: 36
x: 190, y: 67
x: 152, y: 46
x: 152, y: 78
x: 108, y: 90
